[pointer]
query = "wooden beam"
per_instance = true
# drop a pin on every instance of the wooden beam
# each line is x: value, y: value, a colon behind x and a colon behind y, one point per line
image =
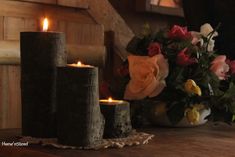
x: 1, y: 27
x: 40, y: 1
x: 21, y: 9
x: 103, y: 12
x: 10, y: 104
x: 74, y: 3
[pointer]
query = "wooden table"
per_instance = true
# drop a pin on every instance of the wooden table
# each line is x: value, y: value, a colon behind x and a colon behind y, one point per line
x: 205, y: 141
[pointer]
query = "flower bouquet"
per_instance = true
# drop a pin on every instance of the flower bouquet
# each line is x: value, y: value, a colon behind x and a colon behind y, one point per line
x: 178, y: 73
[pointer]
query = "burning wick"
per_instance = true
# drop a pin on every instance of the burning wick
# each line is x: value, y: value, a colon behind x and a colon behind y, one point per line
x: 110, y: 99
x: 79, y: 63
x: 45, y: 25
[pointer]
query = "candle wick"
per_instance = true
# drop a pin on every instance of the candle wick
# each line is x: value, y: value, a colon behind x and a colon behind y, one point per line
x: 110, y: 100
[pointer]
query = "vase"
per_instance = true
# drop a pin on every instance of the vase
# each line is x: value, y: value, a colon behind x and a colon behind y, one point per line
x: 163, y: 120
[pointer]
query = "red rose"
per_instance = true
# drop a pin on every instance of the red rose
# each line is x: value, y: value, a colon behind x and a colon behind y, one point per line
x: 183, y: 59
x: 123, y: 70
x: 231, y: 66
x: 154, y: 49
x: 178, y: 32
x: 104, y: 90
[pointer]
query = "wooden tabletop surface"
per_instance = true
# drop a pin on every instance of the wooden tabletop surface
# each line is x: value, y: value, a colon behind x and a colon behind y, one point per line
x: 205, y: 141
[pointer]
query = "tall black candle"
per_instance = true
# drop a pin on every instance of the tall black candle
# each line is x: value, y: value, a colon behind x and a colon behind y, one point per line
x: 80, y: 122
x: 41, y: 53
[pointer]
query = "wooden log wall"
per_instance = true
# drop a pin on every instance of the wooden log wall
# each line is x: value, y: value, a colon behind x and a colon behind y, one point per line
x: 69, y: 16
x: 83, y: 21
x: 10, y: 100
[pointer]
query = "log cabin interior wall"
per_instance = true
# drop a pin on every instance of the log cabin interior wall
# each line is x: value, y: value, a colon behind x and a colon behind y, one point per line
x: 128, y: 9
x: 69, y: 16
x: 89, y: 24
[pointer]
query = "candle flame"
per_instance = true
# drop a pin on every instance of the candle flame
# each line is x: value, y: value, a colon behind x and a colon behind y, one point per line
x: 79, y: 63
x: 45, y: 25
x: 110, y: 99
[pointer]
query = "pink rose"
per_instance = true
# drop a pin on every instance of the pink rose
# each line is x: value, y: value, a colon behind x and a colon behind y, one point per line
x: 231, y: 66
x: 154, y: 49
x: 219, y: 67
x: 147, y: 76
x: 183, y: 59
x: 178, y: 32
x: 196, y: 38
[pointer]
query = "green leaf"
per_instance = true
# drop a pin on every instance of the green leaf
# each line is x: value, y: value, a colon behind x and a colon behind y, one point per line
x: 230, y: 92
x: 176, y: 112
x: 233, y: 118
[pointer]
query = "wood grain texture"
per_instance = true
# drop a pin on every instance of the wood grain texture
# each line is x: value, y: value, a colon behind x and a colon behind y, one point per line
x: 73, y: 3
x: 1, y: 27
x: 105, y: 14
x: 41, y: 1
x: 36, y: 10
x: 204, y: 141
x: 85, y: 34
x: 12, y: 27
x: 10, y: 102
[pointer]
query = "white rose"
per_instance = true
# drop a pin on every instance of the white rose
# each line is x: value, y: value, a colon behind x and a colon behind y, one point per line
x: 206, y: 29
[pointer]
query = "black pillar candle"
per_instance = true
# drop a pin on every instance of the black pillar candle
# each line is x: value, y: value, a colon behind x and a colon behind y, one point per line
x: 80, y: 122
x: 41, y: 53
x: 117, y: 118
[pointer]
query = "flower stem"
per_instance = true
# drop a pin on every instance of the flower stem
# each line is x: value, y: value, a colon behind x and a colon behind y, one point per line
x: 210, y: 35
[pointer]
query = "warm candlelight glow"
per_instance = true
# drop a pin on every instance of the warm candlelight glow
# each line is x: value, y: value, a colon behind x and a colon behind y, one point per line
x: 45, y: 25
x: 110, y: 101
x: 79, y: 63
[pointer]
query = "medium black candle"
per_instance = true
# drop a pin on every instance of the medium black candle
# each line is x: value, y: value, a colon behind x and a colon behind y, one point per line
x: 80, y: 122
x: 41, y: 53
x: 117, y: 118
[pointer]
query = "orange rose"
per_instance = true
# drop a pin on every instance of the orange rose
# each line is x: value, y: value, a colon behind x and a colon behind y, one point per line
x: 147, y: 76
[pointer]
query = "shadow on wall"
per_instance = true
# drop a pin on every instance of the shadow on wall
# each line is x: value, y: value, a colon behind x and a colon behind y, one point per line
x: 135, y: 19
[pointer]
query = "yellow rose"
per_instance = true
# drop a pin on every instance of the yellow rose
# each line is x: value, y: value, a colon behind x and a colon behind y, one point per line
x: 147, y: 76
x: 192, y: 115
x: 192, y: 88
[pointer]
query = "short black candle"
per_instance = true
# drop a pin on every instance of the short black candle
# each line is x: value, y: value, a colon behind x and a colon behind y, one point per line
x: 80, y: 122
x: 117, y: 118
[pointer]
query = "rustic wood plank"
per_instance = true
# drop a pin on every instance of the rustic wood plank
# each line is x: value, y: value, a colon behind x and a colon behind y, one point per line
x: 104, y: 13
x: 62, y: 26
x: 1, y: 27
x: 142, y: 5
x: 74, y: 3
x: 10, y: 103
x: 85, y: 34
x: 14, y: 96
x: 36, y: 10
x: 4, y: 94
x: 41, y: 1
x: 12, y: 27
x: 31, y: 24
x: 205, y: 141
x: 1, y: 98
